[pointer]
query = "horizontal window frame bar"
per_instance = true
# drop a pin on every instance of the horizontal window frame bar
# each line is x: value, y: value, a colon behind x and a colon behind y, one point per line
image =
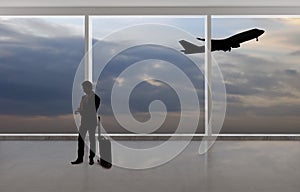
x: 156, y: 137
x: 250, y: 10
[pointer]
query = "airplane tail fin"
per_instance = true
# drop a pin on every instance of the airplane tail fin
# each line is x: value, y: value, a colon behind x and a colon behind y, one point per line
x: 190, y: 48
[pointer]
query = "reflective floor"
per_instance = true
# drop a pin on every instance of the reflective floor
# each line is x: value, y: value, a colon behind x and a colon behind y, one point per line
x: 231, y: 166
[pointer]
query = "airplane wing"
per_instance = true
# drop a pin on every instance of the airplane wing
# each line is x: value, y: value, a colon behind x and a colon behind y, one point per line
x: 220, y: 44
x: 201, y: 39
x: 190, y: 48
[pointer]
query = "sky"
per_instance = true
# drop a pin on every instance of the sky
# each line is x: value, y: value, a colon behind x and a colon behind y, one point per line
x: 39, y: 57
x: 38, y: 60
x: 261, y: 78
x: 160, y: 47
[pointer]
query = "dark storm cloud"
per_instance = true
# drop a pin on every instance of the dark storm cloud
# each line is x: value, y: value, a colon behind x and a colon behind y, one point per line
x: 37, y: 73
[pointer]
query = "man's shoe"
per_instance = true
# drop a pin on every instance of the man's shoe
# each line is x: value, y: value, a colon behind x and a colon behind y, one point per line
x: 77, y: 161
x: 91, y: 162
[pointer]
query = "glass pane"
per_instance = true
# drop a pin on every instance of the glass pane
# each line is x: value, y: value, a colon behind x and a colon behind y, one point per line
x: 261, y: 77
x: 153, y: 43
x: 39, y: 56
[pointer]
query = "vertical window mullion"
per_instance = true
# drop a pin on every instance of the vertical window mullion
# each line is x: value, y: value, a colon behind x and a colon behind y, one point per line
x: 208, y: 100
x: 87, y: 50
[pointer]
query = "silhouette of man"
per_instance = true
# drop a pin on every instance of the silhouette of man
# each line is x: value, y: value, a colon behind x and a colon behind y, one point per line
x: 89, y: 105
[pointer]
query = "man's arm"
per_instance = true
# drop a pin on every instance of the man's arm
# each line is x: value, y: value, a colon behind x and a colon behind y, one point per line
x: 79, y: 109
x: 97, y: 102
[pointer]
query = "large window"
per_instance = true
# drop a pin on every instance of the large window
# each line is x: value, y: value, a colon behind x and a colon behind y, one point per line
x: 153, y: 43
x: 261, y: 77
x: 39, y: 56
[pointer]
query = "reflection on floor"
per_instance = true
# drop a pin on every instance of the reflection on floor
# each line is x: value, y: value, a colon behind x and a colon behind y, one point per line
x: 231, y: 166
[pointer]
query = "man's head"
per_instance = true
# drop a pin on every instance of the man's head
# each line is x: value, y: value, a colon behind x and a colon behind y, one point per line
x: 87, y: 87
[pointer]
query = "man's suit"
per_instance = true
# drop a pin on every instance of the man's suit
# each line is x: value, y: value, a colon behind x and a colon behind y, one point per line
x: 88, y: 110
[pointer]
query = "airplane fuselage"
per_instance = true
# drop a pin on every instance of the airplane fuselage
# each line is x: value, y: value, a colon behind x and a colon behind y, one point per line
x: 222, y: 44
x: 235, y: 40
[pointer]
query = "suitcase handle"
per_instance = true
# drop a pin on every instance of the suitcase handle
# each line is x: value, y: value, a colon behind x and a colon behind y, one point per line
x: 99, y: 130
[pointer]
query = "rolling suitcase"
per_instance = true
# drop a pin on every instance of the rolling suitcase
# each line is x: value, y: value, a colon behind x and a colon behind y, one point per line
x: 105, y: 150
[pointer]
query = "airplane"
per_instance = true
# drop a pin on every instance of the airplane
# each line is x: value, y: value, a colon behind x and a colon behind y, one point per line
x: 222, y: 44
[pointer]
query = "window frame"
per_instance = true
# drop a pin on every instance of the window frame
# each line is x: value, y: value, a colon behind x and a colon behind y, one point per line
x: 160, y: 11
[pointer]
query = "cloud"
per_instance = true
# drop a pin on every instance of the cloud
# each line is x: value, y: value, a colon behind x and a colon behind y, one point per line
x: 146, y: 60
x: 38, y: 61
x: 37, y: 124
x: 170, y: 125
x: 295, y: 53
x: 291, y: 72
x: 278, y: 110
x: 37, y: 72
x: 153, y: 82
x: 145, y: 93
x: 240, y: 90
x: 103, y: 26
x: 119, y: 81
x: 40, y: 27
x: 262, y: 80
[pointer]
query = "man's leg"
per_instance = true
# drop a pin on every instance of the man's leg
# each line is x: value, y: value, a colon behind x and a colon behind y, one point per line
x: 92, y: 144
x: 80, y: 150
